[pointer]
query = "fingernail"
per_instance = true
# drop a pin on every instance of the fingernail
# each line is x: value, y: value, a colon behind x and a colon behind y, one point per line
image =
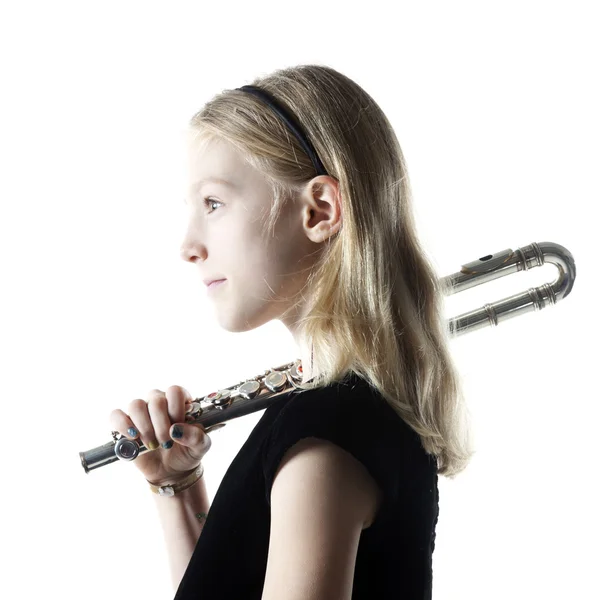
x: 152, y: 445
x: 167, y: 445
x: 177, y: 432
x: 132, y: 431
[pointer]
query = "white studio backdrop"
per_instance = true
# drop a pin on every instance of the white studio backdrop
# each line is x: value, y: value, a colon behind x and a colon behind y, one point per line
x: 496, y: 109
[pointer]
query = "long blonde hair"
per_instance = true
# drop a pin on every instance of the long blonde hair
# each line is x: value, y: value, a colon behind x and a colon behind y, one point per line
x: 375, y: 302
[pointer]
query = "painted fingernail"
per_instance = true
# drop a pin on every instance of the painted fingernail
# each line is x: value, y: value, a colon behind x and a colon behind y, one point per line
x: 177, y: 432
x: 167, y: 445
x: 152, y: 445
x: 132, y: 431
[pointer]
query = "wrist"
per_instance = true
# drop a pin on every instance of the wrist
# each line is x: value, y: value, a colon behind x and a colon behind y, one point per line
x: 172, y: 487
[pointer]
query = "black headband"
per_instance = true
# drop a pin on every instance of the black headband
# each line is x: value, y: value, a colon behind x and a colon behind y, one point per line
x: 290, y: 121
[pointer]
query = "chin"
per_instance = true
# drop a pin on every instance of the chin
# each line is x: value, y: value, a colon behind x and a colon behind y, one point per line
x: 236, y: 327
x: 240, y: 323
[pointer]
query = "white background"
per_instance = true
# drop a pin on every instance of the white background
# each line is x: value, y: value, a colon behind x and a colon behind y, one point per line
x: 496, y: 109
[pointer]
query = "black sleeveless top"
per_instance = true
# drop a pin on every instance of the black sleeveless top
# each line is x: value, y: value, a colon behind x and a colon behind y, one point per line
x: 394, y: 558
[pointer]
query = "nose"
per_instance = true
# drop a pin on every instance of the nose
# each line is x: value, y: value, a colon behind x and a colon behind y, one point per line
x: 193, y: 246
x: 192, y: 252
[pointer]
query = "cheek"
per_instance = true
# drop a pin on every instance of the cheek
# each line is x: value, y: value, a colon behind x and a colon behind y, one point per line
x: 246, y: 305
x: 265, y: 267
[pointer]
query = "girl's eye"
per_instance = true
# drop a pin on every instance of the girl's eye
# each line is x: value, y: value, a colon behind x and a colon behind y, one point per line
x: 210, y: 201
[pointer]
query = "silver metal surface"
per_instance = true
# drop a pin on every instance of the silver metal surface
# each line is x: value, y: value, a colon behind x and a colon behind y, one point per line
x: 214, y: 409
x: 501, y: 264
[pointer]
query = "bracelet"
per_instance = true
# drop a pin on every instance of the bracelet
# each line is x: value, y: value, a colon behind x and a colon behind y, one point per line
x: 176, y: 488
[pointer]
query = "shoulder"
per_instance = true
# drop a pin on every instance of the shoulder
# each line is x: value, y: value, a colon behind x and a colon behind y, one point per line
x: 345, y: 429
x: 329, y: 473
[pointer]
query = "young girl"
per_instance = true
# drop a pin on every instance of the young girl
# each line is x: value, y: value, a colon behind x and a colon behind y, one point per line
x: 300, y: 206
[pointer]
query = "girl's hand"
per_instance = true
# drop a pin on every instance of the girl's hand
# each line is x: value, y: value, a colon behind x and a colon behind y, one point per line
x: 175, y: 448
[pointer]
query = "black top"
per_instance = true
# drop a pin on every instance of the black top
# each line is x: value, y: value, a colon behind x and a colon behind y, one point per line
x: 394, y: 558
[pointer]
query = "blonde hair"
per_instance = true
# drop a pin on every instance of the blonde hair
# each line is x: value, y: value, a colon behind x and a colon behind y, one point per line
x: 375, y: 302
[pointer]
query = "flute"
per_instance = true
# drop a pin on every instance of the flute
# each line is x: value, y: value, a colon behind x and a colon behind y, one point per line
x: 254, y: 394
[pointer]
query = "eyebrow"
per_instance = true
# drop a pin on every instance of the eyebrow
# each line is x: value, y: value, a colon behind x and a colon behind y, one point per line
x: 198, y: 184
x: 218, y: 180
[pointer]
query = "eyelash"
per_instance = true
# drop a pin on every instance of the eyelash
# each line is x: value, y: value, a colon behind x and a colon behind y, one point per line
x: 208, y: 201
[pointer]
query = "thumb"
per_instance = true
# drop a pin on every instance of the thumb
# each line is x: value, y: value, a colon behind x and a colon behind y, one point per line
x: 189, y: 435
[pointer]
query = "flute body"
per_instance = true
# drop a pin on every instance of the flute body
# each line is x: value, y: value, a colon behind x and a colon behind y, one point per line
x: 211, y: 411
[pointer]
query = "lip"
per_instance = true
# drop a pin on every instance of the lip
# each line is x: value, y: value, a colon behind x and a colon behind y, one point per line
x: 207, y: 282
x: 215, y: 283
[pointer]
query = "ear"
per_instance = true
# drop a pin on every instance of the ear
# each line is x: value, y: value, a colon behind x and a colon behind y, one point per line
x: 321, y: 208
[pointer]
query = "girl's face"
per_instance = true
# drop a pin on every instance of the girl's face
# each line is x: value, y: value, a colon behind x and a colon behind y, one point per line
x: 226, y: 238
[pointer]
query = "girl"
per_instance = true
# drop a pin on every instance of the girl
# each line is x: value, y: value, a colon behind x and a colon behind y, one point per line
x: 300, y: 208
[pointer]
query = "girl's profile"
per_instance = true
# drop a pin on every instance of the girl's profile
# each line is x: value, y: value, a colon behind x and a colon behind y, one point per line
x: 300, y: 209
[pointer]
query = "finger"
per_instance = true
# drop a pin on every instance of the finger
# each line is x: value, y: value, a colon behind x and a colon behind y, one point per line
x: 192, y: 436
x: 159, y: 415
x: 178, y: 399
x: 138, y: 412
x: 121, y: 423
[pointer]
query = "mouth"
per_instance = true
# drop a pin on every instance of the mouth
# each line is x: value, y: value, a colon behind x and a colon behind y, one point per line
x: 215, y: 283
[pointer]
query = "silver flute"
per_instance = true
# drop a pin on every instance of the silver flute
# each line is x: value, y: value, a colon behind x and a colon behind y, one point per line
x: 251, y: 395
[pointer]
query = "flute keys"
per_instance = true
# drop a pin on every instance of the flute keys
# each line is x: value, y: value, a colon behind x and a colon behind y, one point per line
x: 275, y: 381
x: 193, y: 412
x: 249, y: 389
x: 194, y: 409
x: 220, y: 399
x: 296, y: 371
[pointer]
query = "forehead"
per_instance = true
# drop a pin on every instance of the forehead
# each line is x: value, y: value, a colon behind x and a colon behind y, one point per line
x: 212, y: 151
x: 215, y: 161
